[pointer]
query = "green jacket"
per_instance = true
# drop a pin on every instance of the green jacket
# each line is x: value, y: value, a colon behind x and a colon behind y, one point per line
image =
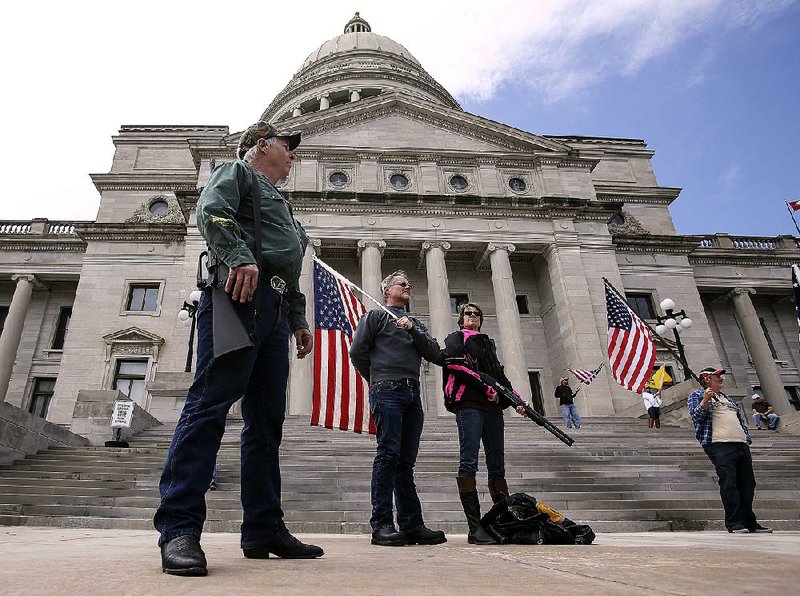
x: 225, y: 220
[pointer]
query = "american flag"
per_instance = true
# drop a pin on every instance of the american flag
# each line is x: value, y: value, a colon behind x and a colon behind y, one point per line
x: 586, y: 376
x: 631, y: 351
x: 796, y: 287
x: 340, y: 393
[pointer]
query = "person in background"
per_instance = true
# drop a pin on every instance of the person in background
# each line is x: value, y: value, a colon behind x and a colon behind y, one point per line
x: 763, y: 412
x: 652, y: 402
x: 566, y: 399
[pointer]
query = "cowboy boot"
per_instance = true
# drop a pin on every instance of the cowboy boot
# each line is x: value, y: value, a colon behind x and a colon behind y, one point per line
x: 472, y: 510
x: 498, y: 489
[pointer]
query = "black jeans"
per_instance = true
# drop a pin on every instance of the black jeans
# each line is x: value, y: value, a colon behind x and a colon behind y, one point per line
x: 737, y: 484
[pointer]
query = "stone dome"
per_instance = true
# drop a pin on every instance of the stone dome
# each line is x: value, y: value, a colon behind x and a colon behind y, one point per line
x: 355, y: 65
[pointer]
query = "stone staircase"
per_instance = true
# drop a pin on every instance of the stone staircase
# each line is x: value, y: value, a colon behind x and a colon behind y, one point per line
x: 619, y: 476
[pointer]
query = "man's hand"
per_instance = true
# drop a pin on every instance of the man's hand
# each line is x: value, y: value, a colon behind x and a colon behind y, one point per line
x: 304, y: 341
x: 404, y: 322
x: 521, y: 409
x: 242, y: 283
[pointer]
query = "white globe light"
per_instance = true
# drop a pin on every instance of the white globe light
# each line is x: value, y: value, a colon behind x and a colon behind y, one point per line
x: 187, y: 322
x: 661, y: 329
x: 667, y: 304
x: 671, y: 323
x: 686, y: 322
x: 678, y: 328
x: 195, y: 296
x: 183, y: 314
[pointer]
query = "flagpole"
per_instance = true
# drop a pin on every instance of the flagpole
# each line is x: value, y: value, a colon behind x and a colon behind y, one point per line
x: 354, y: 286
x: 656, y: 335
x: 793, y: 219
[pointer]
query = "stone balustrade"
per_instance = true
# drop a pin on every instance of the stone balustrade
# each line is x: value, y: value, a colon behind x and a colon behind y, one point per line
x: 749, y: 242
x: 39, y: 226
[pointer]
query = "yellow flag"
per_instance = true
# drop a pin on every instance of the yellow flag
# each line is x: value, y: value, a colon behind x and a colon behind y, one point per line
x: 659, y: 378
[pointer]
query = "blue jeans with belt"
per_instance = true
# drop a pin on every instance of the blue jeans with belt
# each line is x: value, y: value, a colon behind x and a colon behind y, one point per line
x: 475, y: 425
x: 258, y: 375
x: 396, y: 407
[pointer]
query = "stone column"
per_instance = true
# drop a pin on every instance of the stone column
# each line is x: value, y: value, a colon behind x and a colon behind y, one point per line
x: 12, y: 330
x: 442, y: 322
x: 505, y: 298
x: 324, y: 102
x: 768, y: 377
x: 301, y: 371
x: 371, y: 253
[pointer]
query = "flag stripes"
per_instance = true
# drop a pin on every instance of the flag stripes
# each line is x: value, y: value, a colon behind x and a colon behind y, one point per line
x: 631, y: 350
x: 341, y: 395
x: 586, y: 376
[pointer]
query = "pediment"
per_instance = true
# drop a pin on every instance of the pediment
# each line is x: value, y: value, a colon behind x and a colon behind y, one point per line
x: 397, y: 121
x: 133, y: 335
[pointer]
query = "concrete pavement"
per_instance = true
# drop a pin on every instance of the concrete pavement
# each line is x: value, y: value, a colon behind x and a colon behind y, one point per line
x: 77, y: 561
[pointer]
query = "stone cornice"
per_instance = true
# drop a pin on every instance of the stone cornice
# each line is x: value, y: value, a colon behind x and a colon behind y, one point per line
x: 184, y: 180
x: 682, y: 245
x: 748, y: 258
x: 651, y: 195
x: 40, y: 244
x: 132, y: 232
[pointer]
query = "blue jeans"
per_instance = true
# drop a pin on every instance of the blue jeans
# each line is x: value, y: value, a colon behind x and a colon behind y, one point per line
x: 569, y: 410
x: 474, y: 425
x: 259, y: 375
x: 737, y: 483
x: 772, y: 420
x: 397, y: 411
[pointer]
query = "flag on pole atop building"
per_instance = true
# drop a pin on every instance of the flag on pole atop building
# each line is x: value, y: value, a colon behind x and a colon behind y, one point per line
x: 631, y: 350
x: 586, y: 376
x: 659, y: 378
x: 796, y: 288
x: 794, y: 205
x: 341, y: 395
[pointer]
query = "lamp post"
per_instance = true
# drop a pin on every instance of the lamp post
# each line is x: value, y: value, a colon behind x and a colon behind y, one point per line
x: 187, y: 316
x: 677, y: 321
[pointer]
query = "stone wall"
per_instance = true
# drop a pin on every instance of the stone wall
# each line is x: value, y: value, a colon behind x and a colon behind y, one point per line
x: 23, y: 434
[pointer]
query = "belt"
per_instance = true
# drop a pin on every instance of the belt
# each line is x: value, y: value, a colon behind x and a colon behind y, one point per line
x: 277, y: 284
x: 410, y: 382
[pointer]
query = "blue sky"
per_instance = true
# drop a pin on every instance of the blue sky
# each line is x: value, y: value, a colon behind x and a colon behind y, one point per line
x: 713, y: 86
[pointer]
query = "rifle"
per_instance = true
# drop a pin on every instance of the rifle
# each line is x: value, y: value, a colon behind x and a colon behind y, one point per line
x: 508, y: 396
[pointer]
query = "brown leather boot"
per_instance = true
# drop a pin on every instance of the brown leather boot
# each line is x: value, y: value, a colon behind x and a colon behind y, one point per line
x: 468, y: 493
x: 498, y: 489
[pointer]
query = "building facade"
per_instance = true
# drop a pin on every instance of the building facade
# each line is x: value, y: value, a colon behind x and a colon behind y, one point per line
x: 393, y: 174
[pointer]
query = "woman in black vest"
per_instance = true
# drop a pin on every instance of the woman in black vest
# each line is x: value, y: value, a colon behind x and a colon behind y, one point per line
x: 479, y: 415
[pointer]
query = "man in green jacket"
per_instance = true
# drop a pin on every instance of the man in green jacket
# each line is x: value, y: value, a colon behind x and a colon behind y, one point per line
x: 262, y: 290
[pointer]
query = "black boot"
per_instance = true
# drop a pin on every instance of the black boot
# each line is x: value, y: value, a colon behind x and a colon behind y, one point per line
x: 498, y: 489
x: 472, y: 510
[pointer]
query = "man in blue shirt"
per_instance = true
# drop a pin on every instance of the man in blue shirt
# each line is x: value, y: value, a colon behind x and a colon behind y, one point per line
x: 721, y: 429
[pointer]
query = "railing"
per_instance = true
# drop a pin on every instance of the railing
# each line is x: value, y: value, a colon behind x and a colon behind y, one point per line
x: 37, y: 227
x: 749, y: 242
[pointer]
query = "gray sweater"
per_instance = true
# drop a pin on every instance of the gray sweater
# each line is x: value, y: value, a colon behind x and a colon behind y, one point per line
x: 381, y: 351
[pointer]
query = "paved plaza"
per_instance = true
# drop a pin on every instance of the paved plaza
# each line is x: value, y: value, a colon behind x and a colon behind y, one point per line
x: 78, y: 561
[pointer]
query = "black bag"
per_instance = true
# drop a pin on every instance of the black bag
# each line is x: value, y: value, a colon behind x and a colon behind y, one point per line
x: 521, y: 519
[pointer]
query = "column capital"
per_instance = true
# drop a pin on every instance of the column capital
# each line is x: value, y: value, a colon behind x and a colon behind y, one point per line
x: 739, y: 291
x: 30, y: 278
x: 370, y: 243
x: 490, y: 248
x: 315, y: 243
x: 429, y: 245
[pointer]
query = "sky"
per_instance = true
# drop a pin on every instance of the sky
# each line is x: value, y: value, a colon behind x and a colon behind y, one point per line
x: 712, y: 86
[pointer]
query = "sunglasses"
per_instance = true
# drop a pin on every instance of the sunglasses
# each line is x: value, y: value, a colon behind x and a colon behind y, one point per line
x: 403, y: 284
x: 472, y: 313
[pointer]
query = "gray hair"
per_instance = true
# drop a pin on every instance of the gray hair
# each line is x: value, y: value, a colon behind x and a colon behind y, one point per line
x: 253, y: 151
x: 387, y: 281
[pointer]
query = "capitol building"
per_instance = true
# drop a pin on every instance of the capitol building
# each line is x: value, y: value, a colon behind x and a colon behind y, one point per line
x: 392, y: 174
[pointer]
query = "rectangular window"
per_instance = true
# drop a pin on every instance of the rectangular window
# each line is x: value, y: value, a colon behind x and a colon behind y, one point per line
x: 3, y: 315
x: 130, y: 378
x: 641, y: 304
x: 536, y: 392
x: 62, y: 326
x: 142, y: 298
x: 522, y: 304
x: 768, y: 338
x: 457, y: 300
x: 42, y: 393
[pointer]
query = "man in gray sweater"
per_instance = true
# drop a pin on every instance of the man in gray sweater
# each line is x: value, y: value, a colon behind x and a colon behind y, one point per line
x: 388, y: 354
